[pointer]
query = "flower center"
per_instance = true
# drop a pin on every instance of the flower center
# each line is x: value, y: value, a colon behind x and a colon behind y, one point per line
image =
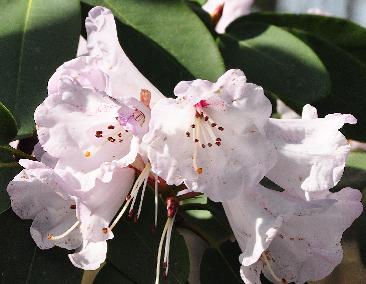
x: 203, y: 132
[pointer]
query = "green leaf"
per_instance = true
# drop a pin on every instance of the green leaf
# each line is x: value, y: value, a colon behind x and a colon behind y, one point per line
x: 174, y: 27
x: 208, y: 219
x: 134, y: 249
x: 276, y: 60
x: 8, y: 125
x: 341, y: 32
x: 348, y: 77
x: 111, y: 275
x: 22, y: 262
x: 35, y: 38
x: 6, y: 175
x: 221, y: 265
x: 357, y: 160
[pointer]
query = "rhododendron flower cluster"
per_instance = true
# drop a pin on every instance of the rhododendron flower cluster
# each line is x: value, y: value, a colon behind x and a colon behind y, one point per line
x: 103, y: 122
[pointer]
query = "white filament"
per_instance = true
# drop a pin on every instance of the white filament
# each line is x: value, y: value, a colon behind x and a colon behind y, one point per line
x: 54, y: 238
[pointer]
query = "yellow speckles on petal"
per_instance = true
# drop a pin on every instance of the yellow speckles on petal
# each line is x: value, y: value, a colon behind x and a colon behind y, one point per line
x: 87, y: 154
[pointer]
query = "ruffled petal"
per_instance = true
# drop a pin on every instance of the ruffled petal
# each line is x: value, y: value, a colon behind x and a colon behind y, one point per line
x: 251, y: 274
x: 301, y: 239
x: 311, y: 151
x: 85, y: 70
x: 256, y: 216
x: 40, y: 194
x: 80, y: 129
x: 90, y: 256
x: 102, y: 42
x: 308, y: 248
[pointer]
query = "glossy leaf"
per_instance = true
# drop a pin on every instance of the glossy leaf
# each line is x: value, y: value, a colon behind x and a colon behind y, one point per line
x: 221, y: 265
x: 6, y: 175
x: 134, y: 249
x: 22, y: 262
x: 35, y: 38
x: 8, y: 125
x: 341, y: 32
x: 207, y: 219
x: 111, y: 275
x: 275, y: 59
x: 174, y: 27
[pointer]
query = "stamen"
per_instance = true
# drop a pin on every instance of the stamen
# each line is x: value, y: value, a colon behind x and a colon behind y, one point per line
x: 142, y: 198
x: 55, y: 238
x: 172, y: 207
x: 167, y: 246
x: 273, y: 274
x: 160, y: 248
x: 195, y: 139
x: 134, y: 191
x: 156, y: 189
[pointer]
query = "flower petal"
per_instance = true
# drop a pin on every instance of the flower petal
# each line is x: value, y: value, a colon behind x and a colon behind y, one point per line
x: 39, y: 193
x: 310, y: 248
x: 85, y: 70
x: 102, y: 42
x: 90, y: 256
x: 79, y: 128
x: 301, y: 239
x: 311, y: 151
x: 97, y: 207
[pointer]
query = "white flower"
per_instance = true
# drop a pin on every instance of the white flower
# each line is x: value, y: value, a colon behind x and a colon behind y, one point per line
x: 311, y: 151
x: 224, y: 12
x: 92, y: 121
x: 65, y: 216
x: 211, y: 137
x: 290, y: 239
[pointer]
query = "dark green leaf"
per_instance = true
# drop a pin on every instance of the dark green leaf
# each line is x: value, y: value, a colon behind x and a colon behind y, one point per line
x: 173, y: 26
x: 8, y: 125
x: 22, y: 262
x: 221, y: 265
x: 341, y: 32
x: 35, y: 38
x: 208, y: 219
x: 6, y: 175
x: 275, y: 59
x: 111, y: 275
x: 134, y: 249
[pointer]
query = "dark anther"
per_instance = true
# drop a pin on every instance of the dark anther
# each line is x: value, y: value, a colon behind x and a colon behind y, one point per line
x: 98, y: 133
x: 111, y: 139
x: 110, y: 127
